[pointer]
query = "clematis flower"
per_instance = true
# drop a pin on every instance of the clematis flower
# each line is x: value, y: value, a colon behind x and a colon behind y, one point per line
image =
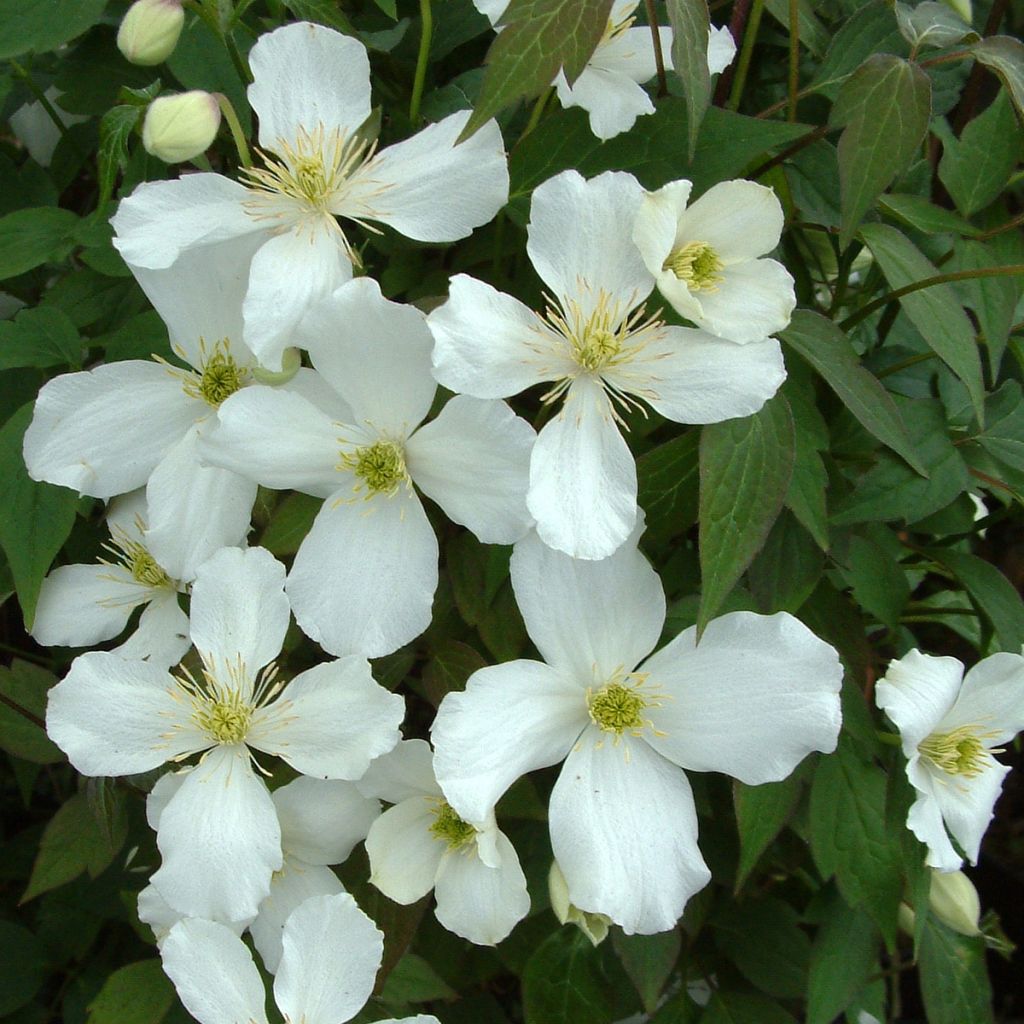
x: 332, y: 951
x: 707, y: 260
x: 420, y: 844
x: 219, y: 835
x: 599, y: 349
x: 757, y: 695
x: 311, y: 91
x: 951, y: 725
x: 609, y: 87
x: 364, y: 577
x: 83, y: 605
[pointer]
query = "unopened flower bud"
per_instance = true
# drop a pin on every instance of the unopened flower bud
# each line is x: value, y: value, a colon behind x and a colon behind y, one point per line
x: 181, y: 126
x: 594, y: 926
x: 291, y: 361
x: 954, y: 901
x: 963, y: 8
x: 150, y: 30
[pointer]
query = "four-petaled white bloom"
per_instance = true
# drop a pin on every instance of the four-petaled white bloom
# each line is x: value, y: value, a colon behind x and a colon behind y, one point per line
x: 609, y: 87
x: 219, y: 834
x: 421, y: 844
x: 332, y: 951
x: 757, y: 695
x: 82, y: 605
x: 312, y: 94
x: 951, y: 725
x: 364, y: 577
x: 706, y: 257
x: 599, y: 348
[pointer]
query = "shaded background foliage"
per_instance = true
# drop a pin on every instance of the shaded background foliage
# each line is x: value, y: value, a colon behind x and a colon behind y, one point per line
x: 893, y: 140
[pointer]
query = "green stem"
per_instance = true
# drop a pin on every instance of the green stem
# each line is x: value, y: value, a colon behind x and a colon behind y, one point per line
x: 923, y: 357
x: 40, y: 96
x: 1008, y: 226
x: 24, y: 712
x: 211, y: 22
x: 659, y: 60
x: 536, y: 113
x: 235, y: 125
x: 427, y: 17
x: 794, y: 59
x: 928, y: 282
x: 801, y: 143
x: 743, y: 64
x: 946, y: 58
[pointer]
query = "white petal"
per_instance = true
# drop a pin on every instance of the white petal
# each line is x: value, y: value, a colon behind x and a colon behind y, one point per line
x: 322, y: 820
x: 967, y: 804
x: 404, y: 854
x: 101, y: 432
x: 290, y: 273
x: 753, y: 300
x: 194, y: 509
x: 588, y: 619
x: 330, y: 721
x: 295, y: 883
x: 214, y: 973
x: 612, y: 98
x: 161, y: 794
x: 757, y: 695
x: 582, y: 477
x: 925, y: 820
x: 162, y: 219
x: 654, y: 232
x: 916, y: 693
x: 480, y: 903
x: 239, y: 610
x: 494, y: 9
x: 126, y: 516
x: 307, y: 77
x: 161, y: 637
x: 489, y: 345
x: 363, y: 580
x: 580, y: 238
x: 624, y: 832
x: 474, y: 461
x: 721, y: 49
x: 375, y: 354
x: 428, y: 188
x: 83, y: 605
x: 117, y: 717
x: 739, y: 219
x: 311, y: 386
x: 153, y: 910
x: 219, y: 839
x: 405, y: 771
x: 992, y: 696
x: 331, y: 954
x: 631, y: 53
x: 511, y: 719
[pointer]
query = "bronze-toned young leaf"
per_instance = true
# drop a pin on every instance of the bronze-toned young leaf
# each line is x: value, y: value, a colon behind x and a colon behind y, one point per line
x: 1005, y: 56
x: 883, y: 107
x: 538, y: 38
x: 691, y: 26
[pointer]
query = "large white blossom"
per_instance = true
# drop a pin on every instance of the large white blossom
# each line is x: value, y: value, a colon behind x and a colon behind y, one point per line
x: 599, y: 349
x: 751, y: 700
x: 311, y: 92
x: 364, y: 577
x: 951, y: 725
x: 331, y: 953
x: 219, y: 834
x: 421, y: 844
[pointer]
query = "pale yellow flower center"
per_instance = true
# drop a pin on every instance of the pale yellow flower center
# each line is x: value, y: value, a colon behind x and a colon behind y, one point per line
x: 696, y: 264
x: 618, y: 706
x: 957, y: 752
x: 450, y: 828
x: 380, y: 467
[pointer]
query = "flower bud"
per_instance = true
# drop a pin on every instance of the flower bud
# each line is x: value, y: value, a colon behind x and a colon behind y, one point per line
x: 594, y: 926
x: 150, y: 30
x: 963, y: 8
x: 954, y: 901
x: 180, y: 126
x: 291, y: 361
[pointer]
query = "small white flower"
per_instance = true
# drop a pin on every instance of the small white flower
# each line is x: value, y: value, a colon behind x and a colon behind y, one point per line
x: 599, y: 348
x: 311, y: 92
x: 219, y: 834
x: 421, y: 844
x: 332, y: 951
x: 706, y: 257
x: 757, y: 695
x: 951, y: 725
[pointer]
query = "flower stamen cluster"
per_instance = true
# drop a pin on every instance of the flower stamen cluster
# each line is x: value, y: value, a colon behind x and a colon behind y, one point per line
x: 135, y: 557
x: 618, y: 706
x: 958, y: 752
x: 696, y: 264
x: 450, y: 828
x: 379, y: 466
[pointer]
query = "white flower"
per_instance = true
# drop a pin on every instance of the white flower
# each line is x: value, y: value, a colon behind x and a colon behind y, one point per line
x: 421, y: 844
x: 219, y: 834
x: 756, y: 696
x: 83, y: 605
x: 34, y: 127
x: 364, y: 577
x: 609, y: 87
x: 332, y: 951
x: 599, y: 347
x: 705, y: 257
x: 951, y: 726
x: 312, y: 93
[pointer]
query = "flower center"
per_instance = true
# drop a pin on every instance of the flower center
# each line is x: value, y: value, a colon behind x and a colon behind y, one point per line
x: 619, y: 705
x: 450, y: 828
x: 697, y: 264
x: 380, y: 467
x: 143, y: 566
x: 226, y: 720
x: 616, y: 28
x: 959, y: 752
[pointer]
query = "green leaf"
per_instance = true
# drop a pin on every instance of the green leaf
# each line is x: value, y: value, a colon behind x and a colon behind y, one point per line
x: 539, y: 38
x: 745, y: 469
x: 448, y: 669
x: 744, y: 1008
x: 26, y: 685
x: 116, y: 127
x: 829, y: 351
x: 806, y: 495
x: 786, y: 569
x: 843, y: 957
x: 932, y: 24
x: 936, y: 311
x: 667, y: 479
x: 138, y: 993
x: 1005, y: 56
x: 691, y: 26
x: 879, y: 585
x: 289, y: 523
x: 1003, y: 436
x: 954, y: 982
x: 39, y: 337
x: 761, y: 813
x: 872, y: 29
x: 414, y: 981
x: 43, y: 25
x: 24, y: 960
x: 35, y: 518
x: 916, y: 212
x: 649, y: 961
x: 883, y: 107
x: 34, y: 236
